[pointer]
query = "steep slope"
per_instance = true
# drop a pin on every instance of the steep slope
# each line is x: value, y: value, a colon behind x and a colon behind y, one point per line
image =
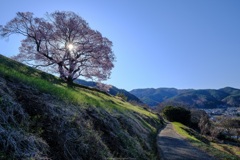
x: 204, y: 98
x: 113, y: 90
x: 43, y: 118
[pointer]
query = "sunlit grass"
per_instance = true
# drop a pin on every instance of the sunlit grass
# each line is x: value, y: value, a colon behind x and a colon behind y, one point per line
x: 214, y: 149
x: 75, y: 94
x: 179, y: 128
x: 227, y: 148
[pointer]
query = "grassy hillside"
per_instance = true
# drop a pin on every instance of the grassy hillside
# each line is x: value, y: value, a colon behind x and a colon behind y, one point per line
x: 42, y: 117
x: 113, y: 90
x: 219, y: 151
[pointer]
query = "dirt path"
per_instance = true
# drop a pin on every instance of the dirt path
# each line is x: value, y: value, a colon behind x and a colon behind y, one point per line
x: 174, y: 147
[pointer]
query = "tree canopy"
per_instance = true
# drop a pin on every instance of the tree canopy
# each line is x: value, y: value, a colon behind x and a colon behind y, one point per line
x: 63, y: 42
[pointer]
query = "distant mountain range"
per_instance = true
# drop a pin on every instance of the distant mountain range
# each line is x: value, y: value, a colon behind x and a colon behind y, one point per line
x: 203, y: 98
x: 113, y: 90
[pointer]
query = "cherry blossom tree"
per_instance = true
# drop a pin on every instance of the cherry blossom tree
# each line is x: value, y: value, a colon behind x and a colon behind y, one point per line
x: 62, y: 42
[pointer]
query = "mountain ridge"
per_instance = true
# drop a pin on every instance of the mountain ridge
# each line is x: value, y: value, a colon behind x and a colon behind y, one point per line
x: 199, y: 98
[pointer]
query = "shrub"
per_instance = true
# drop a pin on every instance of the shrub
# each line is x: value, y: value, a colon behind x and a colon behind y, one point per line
x: 200, y: 121
x: 177, y: 114
x: 122, y: 96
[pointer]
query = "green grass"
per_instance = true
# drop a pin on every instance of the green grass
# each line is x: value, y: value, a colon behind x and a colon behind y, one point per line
x: 180, y: 129
x: 214, y: 149
x: 227, y: 148
x: 75, y: 94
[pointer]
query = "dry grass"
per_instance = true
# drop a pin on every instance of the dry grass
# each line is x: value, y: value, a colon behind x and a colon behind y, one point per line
x: 15, y: 141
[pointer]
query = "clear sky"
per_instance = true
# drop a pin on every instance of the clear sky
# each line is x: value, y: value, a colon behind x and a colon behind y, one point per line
x: 158, y: 43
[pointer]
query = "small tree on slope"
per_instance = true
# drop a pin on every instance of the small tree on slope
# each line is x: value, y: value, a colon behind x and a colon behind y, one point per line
x: 177, y: 114
x: 64, y: 43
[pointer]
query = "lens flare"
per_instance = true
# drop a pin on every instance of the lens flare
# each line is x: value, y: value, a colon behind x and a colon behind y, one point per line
x: 70, y: 47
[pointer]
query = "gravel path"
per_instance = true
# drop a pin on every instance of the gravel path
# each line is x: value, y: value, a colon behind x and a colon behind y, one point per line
x: 174, y: 147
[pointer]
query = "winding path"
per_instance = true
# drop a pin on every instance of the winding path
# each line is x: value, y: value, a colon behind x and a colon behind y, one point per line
x: 174, y: 147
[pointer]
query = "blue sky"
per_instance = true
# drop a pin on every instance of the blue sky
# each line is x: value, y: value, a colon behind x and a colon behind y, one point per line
x: 158, y: 43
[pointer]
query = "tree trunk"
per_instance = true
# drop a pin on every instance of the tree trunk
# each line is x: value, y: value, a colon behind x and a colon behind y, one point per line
x: 61, y: 71
x: 69, y: 80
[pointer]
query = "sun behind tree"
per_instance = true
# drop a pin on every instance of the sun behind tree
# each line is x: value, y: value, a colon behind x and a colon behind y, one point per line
x: 62, y: 41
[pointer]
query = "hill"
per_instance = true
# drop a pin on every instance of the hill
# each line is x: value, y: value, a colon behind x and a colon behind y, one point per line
x: 113, y: 90
x: 204, y: 98
x: 44, y: 118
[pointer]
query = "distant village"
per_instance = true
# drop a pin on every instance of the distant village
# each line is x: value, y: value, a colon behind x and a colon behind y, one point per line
x: 225, y: 111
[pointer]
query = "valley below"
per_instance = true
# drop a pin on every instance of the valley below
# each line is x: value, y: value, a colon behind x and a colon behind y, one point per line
x: 223, y: 111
